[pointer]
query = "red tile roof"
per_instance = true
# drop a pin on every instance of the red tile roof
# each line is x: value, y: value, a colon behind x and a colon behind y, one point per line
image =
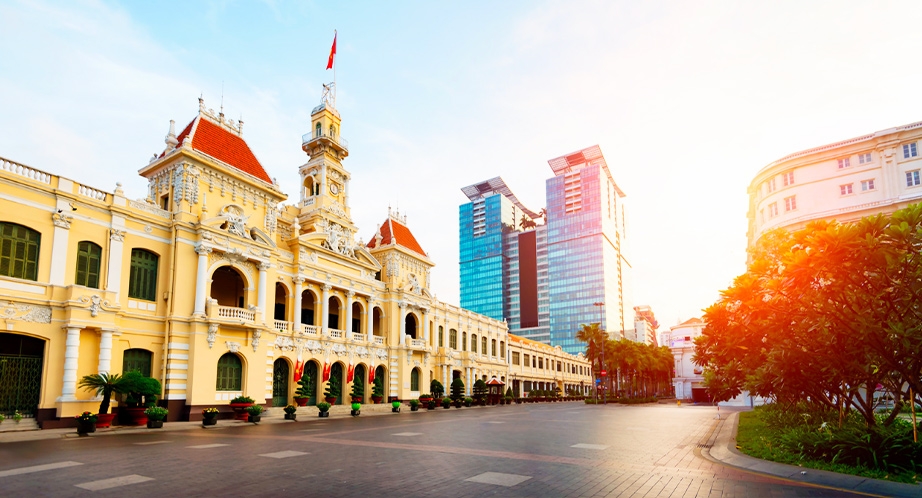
x: 392, y: 231
x: 223, y: 145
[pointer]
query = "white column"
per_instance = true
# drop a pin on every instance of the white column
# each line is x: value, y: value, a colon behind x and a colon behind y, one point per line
x: 346, y: 193
x: 71, y: 357
x: 59, y: 259
x: 426, y: 326
x: 349, y: 296
x: 403, y: 324
x: 114, y: 272
x: 369, y: 320
x: 325, y: 302
x: 298, y: 291
x: 200, y: 276
x: 105, y: 351
x: 261, y: 292
x: 470, y: 375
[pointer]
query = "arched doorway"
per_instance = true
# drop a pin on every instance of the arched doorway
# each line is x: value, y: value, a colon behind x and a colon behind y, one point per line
x: 358, y: 380
x: 409, y: 323
x: 336, y: 376
x: 227, y: 287
x: 280, y: 375
x: 311, y: 372
x: 381, y: 380
x: 21, y: 359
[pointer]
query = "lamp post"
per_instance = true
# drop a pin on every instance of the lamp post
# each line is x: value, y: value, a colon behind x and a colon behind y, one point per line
x: 604, y: 393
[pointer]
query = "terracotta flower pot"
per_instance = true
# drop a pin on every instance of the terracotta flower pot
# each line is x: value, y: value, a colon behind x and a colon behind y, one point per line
x: 240, y: 410
x: 104, y: 420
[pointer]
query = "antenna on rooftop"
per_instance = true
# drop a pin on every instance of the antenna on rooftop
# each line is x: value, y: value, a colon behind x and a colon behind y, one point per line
x: 222, y: 99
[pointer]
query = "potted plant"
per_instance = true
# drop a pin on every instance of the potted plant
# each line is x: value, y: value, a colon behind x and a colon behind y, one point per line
x: 324, y: 408
x: 480, y: 392
x: 86, y: 423
x: 414, y: 405
x: 508, y: 399
x: 425, y: 398
x: 377, y: 390
x: 303, y: 394
x: 358, y: 390
x: 104, y: 384
x: 457, y: 391
x: 17, y: 417
x: 333, y: 390
x: 395, y: 406
x: 140, y: 392
x: 155, y: 416
x: 446, y: 402
x: 253, y: 413
x: 240, y: 405
x: 468, y: 401
x: 2, y: 418
x: 356, y: 409
x: 431, y: 404
x: 290, y: 412
x: 437, y: 389
x: 210, y: 416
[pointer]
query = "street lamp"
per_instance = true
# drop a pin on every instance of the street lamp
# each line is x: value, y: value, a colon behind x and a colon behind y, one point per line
x: 604, y: 393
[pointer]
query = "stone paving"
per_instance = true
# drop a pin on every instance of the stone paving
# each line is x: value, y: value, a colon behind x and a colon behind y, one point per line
x: 546, y: 450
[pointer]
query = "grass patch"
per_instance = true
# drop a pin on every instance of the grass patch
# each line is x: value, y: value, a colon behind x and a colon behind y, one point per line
x: 756, y: 438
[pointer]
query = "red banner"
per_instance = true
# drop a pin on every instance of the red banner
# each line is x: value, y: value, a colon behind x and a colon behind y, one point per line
x: 299, y: 370
x: 350, y: 374
x: 326, y: 372
x: 371, y: 376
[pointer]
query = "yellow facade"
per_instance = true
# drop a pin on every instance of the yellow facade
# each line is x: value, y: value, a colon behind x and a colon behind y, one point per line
x: 218, y: 287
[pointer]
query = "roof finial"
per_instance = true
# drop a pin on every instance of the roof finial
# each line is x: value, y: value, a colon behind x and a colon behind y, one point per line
x: 170, y: 139
x: 221, y: 113
x: 201, y: 102
x: 240, y: 125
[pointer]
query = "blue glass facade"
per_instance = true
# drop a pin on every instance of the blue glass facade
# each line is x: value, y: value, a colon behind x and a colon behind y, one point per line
x: 481, y: 255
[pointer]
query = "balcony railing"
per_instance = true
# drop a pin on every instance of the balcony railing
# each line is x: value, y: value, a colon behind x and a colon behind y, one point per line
x: 379, y: 340
x: 309, y: 329
x: 310, y: 137
x: 236, y: 313
x: 282, y: 325
x: 336, y: 333
x: 358, y: 337
x: 418, y: 343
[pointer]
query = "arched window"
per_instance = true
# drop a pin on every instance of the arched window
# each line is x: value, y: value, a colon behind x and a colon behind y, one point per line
x: 230, y: 373
x: 414, y: 380
x: 453, y: 339
x: 137, y: 359
x: 493, y: 347
x: 441, y: 337
x: 332, y: 131
x: 463, y: 341
x: 88, y: 257
x: 473, y: 343
x: 319, y: 131
x: 142, y: 282
x: 19, y: 247
x: 483, y: 346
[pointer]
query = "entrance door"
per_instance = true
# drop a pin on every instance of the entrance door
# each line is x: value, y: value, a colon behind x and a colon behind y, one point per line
x: 20, y: 373
x: 280, y: 383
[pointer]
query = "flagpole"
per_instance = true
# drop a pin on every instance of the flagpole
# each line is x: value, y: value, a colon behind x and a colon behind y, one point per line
x: 334, y: 72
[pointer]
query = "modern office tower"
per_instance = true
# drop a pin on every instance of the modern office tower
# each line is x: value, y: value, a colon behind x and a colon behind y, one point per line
x: 546, y: 280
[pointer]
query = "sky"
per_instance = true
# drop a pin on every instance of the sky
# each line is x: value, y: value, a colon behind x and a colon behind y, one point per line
x: 688, y: 101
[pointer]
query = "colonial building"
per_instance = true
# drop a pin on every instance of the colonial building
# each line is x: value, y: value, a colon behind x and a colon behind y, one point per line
x: 535, y: 365
x: 213, y: 286
x: 880, y: 172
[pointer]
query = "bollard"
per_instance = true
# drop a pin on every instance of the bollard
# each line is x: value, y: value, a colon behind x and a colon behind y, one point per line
x: 678, y: 402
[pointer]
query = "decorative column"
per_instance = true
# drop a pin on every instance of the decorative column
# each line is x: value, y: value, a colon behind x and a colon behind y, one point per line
x: 261, y: 292
x: 105, y: 351
x: 426, y: 325
x: 369, y: 320
x: 349, y: 296
x: 71, y: 357
x: 470, y: 374
x: 325, y: 301
x: 298, y: 291
x: 59, y: 257
x: 114, y: 273
x: 403, y: 323
x: 201, y: 274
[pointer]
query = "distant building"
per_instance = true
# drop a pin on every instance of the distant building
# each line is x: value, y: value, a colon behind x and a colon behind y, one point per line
x: 879, y: 172
x: 645, y: 326
x: 688, y: 379
x: 547, y: 279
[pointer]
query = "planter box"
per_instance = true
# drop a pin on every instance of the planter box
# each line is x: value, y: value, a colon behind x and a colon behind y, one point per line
x: 154, y: 424
x: 324, y: 414
x: 84, y: 428
x: 291, y: 416
x: 253, y: 418
x: 210, y: 421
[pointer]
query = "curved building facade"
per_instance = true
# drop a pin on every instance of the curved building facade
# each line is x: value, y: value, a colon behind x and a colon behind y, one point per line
x: 879, y: 172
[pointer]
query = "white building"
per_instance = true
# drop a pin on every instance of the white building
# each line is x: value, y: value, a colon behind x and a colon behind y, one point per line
x: 645, y: 326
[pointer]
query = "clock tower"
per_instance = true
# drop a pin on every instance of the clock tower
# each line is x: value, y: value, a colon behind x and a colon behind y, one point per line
x: 324, y: 182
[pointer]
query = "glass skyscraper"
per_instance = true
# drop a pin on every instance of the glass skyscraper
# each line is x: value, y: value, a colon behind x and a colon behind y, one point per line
x: 546, y: 280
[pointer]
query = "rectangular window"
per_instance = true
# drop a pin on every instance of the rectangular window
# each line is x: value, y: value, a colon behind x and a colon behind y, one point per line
x: 526, y: 360
x: 453, y: 339
x: 483, y: 347
x: 844, y: 163
x: 534, y: 362
x: 790, y: 203
x: 142, y: 280
x: 540, y: 362
x: 909, y: 150
x: 770, y: 185
x: 788, y: 178
x: 773, y: 210
x: 492, y: 347
x: 515, y: 357
x: 867, y: 185
x: 864, y: 158
x: 844, y: 189
x: 912, y: 178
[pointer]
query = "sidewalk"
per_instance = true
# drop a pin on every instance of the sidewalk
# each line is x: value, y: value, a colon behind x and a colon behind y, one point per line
x: 723, y: 450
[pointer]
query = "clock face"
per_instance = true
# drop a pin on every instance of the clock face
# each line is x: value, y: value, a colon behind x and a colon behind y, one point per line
x: 334, y: 189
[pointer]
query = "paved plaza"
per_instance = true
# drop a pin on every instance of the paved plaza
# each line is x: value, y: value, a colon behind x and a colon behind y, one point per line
x: 546, y: 450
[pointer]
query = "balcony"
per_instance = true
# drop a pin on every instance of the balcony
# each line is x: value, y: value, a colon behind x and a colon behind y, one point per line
x: 357, y: 337
x: 379, y: 340
x: 230, y: 312
x: 282, y: 326
x: 309, y: 330
x: 417, y: 343
x: 337, y: 334
x: 309, y: 140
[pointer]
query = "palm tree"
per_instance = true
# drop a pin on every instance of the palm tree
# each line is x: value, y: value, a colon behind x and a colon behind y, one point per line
x: 104, y: 384
x: 595, y: 339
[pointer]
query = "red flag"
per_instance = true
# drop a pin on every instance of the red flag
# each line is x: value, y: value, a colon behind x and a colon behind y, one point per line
x: 326, y: 372
x: 332, y: 52
x: 371, y: 375
x: 299, y: 370
x: 350, y: 374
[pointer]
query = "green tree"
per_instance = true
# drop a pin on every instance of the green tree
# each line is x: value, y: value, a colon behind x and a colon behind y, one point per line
x: 457, y: 389
x: 104, y: 384
x: 304, y: 387
x: 436, y: 388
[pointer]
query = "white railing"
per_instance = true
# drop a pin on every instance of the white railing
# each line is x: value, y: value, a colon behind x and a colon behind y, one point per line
x: 379, y: 340
x: 417, y: 343
x: 358, y: 337
x: 310, y: 137
x: 238, y: 313
x: 309, y: 329
x: 282, y: 325
x: 90, y: 192
x: 336, y: 333
x: 148, y: 208
x: 23, y: 170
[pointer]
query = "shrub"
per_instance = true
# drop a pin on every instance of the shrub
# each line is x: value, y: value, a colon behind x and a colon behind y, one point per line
x: 356, y: 406
x: 437, y: 388
x: 242, y: 399
x: 290, y: 409
x: 156, y: 412
x: 377, y: 389
x: 457, y: 389
x: 414, y: 403
x: 304, y: 387
x: 358, y: 388
x: 446, y: 402
x: 323, y: 406
x: 255, y: 410
x: 395, y: 404
x: 333, y: 388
